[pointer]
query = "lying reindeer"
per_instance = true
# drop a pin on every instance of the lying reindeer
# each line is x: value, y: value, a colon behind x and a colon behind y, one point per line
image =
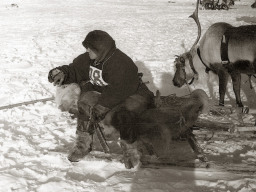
x: 156, y: 130
x: 225, y: 50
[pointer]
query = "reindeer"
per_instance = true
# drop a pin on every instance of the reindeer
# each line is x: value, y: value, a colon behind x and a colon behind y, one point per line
x: 225, y: 50
x: 253, y: 5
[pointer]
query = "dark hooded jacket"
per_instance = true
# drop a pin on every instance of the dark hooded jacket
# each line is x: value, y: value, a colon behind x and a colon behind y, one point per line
x: 118, y: 70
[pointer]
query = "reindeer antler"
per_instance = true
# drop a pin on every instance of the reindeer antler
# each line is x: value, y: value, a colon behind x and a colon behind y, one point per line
x: 195, y: 17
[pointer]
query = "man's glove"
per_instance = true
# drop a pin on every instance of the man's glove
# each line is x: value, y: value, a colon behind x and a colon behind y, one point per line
x: 56, y: 76
x: 99, y: 112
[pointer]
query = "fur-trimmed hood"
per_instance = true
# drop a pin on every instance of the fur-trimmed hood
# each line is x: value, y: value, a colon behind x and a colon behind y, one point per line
x: 101, y: 43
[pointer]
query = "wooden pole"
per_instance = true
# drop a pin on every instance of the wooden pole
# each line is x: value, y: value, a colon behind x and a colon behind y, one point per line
x: 26, y: 103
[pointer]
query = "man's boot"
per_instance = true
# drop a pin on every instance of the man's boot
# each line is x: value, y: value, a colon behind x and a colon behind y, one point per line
x: 82, y: 147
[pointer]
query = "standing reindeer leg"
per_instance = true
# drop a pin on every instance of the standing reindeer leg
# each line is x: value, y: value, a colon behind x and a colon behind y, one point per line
x: 223, y: 81
x: 236, y: 80
x: 196, y: 147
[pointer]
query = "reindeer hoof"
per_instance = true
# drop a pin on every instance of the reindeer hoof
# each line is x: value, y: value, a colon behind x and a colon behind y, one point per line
x: 245, y: 110
x: 202, y: 158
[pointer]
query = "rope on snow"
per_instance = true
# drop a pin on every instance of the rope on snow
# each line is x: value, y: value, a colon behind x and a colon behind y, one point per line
x: 26, y: 103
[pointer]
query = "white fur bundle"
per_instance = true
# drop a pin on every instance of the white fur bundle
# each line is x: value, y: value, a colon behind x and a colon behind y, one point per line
x: 67, y: 96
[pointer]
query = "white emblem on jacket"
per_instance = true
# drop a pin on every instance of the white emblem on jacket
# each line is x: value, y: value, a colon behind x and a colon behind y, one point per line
x: 95, y: 76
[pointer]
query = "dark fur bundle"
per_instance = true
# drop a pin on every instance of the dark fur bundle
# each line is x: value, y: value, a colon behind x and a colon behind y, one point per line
x: 126, y: 123
x: 157, y: 127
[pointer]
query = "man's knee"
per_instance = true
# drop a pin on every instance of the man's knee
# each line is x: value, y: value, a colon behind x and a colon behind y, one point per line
x: 90, y: 98
x: 86, y: 101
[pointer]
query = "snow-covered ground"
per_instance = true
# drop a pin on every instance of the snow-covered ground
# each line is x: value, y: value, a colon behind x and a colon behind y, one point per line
x: 38, y: 35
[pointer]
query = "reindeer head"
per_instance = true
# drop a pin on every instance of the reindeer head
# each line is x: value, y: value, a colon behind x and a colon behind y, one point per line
x: 180, y: 76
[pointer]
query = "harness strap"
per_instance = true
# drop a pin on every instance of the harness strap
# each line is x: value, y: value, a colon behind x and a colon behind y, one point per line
x: 223, y: 51
x: 191, y: 63
x: 199, y: 55
x: 224, y: 48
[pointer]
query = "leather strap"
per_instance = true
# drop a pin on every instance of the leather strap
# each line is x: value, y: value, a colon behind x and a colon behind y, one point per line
x: 224, y: 48
x: 199, y: 55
